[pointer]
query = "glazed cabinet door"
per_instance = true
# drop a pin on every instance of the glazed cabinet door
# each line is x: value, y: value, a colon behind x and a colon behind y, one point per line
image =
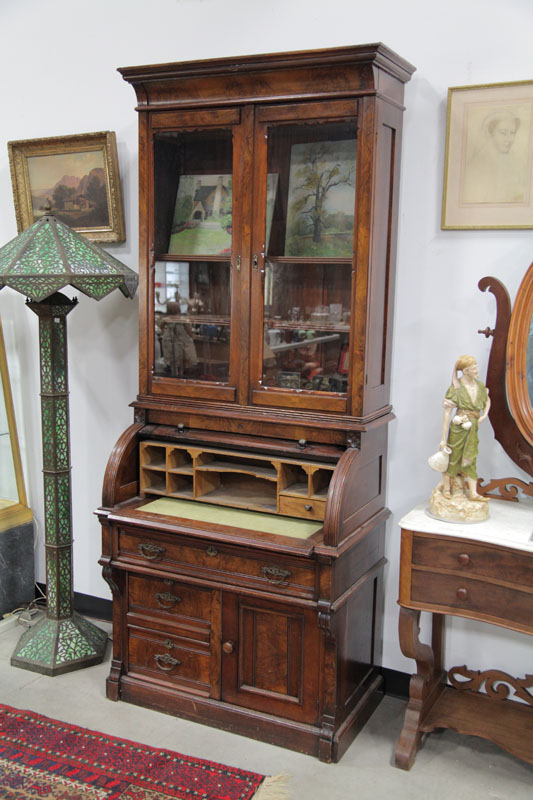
x: 305, y: 174
x: 270, y: 657
x: 194, y: 298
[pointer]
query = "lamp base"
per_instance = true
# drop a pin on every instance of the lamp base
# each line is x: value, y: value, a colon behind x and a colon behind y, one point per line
x: 55, y: 646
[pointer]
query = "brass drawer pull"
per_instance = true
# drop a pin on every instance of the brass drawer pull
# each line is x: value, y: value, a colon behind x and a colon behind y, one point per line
x: 463, y: 559
x: 151, y: 551
x: 167, y: 600
x: 166, y: 662
x: 211, y: 551
x: 462, y: 594
x: 228, y: 647
x: 275, y: 574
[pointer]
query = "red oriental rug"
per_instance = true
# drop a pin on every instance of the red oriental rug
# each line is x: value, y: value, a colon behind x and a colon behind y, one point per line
x: 50, y: 760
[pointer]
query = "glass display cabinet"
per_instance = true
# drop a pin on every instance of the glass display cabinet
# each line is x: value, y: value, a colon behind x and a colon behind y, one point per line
x: 243, y: 512
x: 13, y: 504
x: 16, y: 527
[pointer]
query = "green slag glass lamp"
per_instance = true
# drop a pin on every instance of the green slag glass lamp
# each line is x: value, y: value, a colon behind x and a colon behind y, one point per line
x: 38, y: 263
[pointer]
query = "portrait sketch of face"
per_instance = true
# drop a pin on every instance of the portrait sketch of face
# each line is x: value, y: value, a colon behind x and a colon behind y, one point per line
x: 496, y: 166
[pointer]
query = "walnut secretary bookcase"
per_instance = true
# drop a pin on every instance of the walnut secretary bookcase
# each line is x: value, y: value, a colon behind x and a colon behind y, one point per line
x: 243, y: 512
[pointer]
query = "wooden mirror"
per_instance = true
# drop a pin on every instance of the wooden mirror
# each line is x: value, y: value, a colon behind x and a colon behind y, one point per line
x: 519, y: 368
x: 510, y: 380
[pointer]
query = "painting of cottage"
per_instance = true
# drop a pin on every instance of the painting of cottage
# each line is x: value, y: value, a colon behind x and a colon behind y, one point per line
x: 72, y: 186
x: 202, y: 223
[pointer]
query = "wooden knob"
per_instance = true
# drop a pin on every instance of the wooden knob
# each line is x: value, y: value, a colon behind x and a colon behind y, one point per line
x: 463, y: 559
x: 228, y: 647
x: 461, y: 594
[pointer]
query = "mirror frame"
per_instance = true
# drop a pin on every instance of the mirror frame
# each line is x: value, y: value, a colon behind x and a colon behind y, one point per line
x: 516, y: 361
x: 506, y: 379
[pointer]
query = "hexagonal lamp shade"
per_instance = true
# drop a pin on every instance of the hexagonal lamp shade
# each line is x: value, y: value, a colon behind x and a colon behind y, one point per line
x: 38, y: 263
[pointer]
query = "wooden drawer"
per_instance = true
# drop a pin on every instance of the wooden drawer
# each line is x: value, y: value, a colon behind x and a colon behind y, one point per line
x: 169, y: 599
x: 481, y: 560
x: 473, y: 598
x: 214, y: 562
x: 163, y: 657
x: 306, y: 508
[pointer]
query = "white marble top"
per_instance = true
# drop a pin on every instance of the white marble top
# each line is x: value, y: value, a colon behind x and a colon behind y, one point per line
x: 509, y: 524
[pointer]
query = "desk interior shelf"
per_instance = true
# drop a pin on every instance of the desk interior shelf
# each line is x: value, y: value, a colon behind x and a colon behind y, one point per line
x: 235, y: 479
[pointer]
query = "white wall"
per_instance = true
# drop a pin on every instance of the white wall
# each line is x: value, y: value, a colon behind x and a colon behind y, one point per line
x: 58, y: 61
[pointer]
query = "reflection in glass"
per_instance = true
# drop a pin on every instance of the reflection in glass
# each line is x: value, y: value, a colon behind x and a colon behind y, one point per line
x: 529, y: 361
x: 306, y: 326
x: 192, y: 303
x: 8, y: 481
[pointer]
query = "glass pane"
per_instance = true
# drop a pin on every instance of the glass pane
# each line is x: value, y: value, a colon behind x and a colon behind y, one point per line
x: 8, y: 482
x: 306, y: 326
x: 193, y: 202
x: 529, y: 361
x: 311, y: 190
x: 192, y: 301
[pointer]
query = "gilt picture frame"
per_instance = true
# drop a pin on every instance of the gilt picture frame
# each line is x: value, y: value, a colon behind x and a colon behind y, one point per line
x: 74, y: 177
x: 488, y: 168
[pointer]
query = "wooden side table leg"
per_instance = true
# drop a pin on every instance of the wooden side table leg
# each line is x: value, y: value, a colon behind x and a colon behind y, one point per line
x: 425, y: 685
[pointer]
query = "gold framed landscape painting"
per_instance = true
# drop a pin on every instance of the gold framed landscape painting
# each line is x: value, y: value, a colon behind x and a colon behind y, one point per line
x: 488, y: 171
x: 76, y: 178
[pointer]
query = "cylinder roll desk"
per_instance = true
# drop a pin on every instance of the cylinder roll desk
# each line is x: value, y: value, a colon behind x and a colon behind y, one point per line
x: 243, y: 511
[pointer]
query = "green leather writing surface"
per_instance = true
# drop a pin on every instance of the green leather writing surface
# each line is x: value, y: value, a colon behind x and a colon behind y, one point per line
x: 235, y: 517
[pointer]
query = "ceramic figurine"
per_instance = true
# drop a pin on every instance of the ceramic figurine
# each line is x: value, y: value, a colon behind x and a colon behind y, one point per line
x: 466, y: 405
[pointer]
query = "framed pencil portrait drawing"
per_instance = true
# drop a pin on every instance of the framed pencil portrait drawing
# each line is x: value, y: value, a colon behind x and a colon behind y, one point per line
x: 76, y: 178
x: 488, y: 171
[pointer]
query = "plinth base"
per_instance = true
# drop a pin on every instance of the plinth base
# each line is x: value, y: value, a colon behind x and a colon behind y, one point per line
x: 55, y: 646
x: 458, y: 508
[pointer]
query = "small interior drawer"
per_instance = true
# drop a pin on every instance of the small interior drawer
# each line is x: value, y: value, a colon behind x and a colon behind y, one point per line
x: 305, y: 508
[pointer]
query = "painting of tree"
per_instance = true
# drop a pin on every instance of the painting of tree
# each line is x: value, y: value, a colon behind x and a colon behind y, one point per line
x: 321, y: 199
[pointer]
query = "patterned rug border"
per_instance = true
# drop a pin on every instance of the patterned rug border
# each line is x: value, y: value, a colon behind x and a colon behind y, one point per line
x: 64, y: 763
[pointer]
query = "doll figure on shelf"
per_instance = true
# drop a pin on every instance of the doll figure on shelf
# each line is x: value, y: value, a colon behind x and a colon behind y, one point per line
x: 466, y: 405
x: 195, y: 304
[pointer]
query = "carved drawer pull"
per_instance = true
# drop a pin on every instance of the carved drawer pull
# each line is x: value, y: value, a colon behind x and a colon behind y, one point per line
x: 166, y: 662
x: 276, y: 574
x: 462, y: 594
x: 463, y: 559
x: 167, y: 600
x: 151, y: 551
x: 211, y: 551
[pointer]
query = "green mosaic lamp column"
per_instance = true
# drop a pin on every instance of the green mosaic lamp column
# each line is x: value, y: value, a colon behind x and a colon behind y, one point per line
x: 63, y: 640
x: 39, y: 262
